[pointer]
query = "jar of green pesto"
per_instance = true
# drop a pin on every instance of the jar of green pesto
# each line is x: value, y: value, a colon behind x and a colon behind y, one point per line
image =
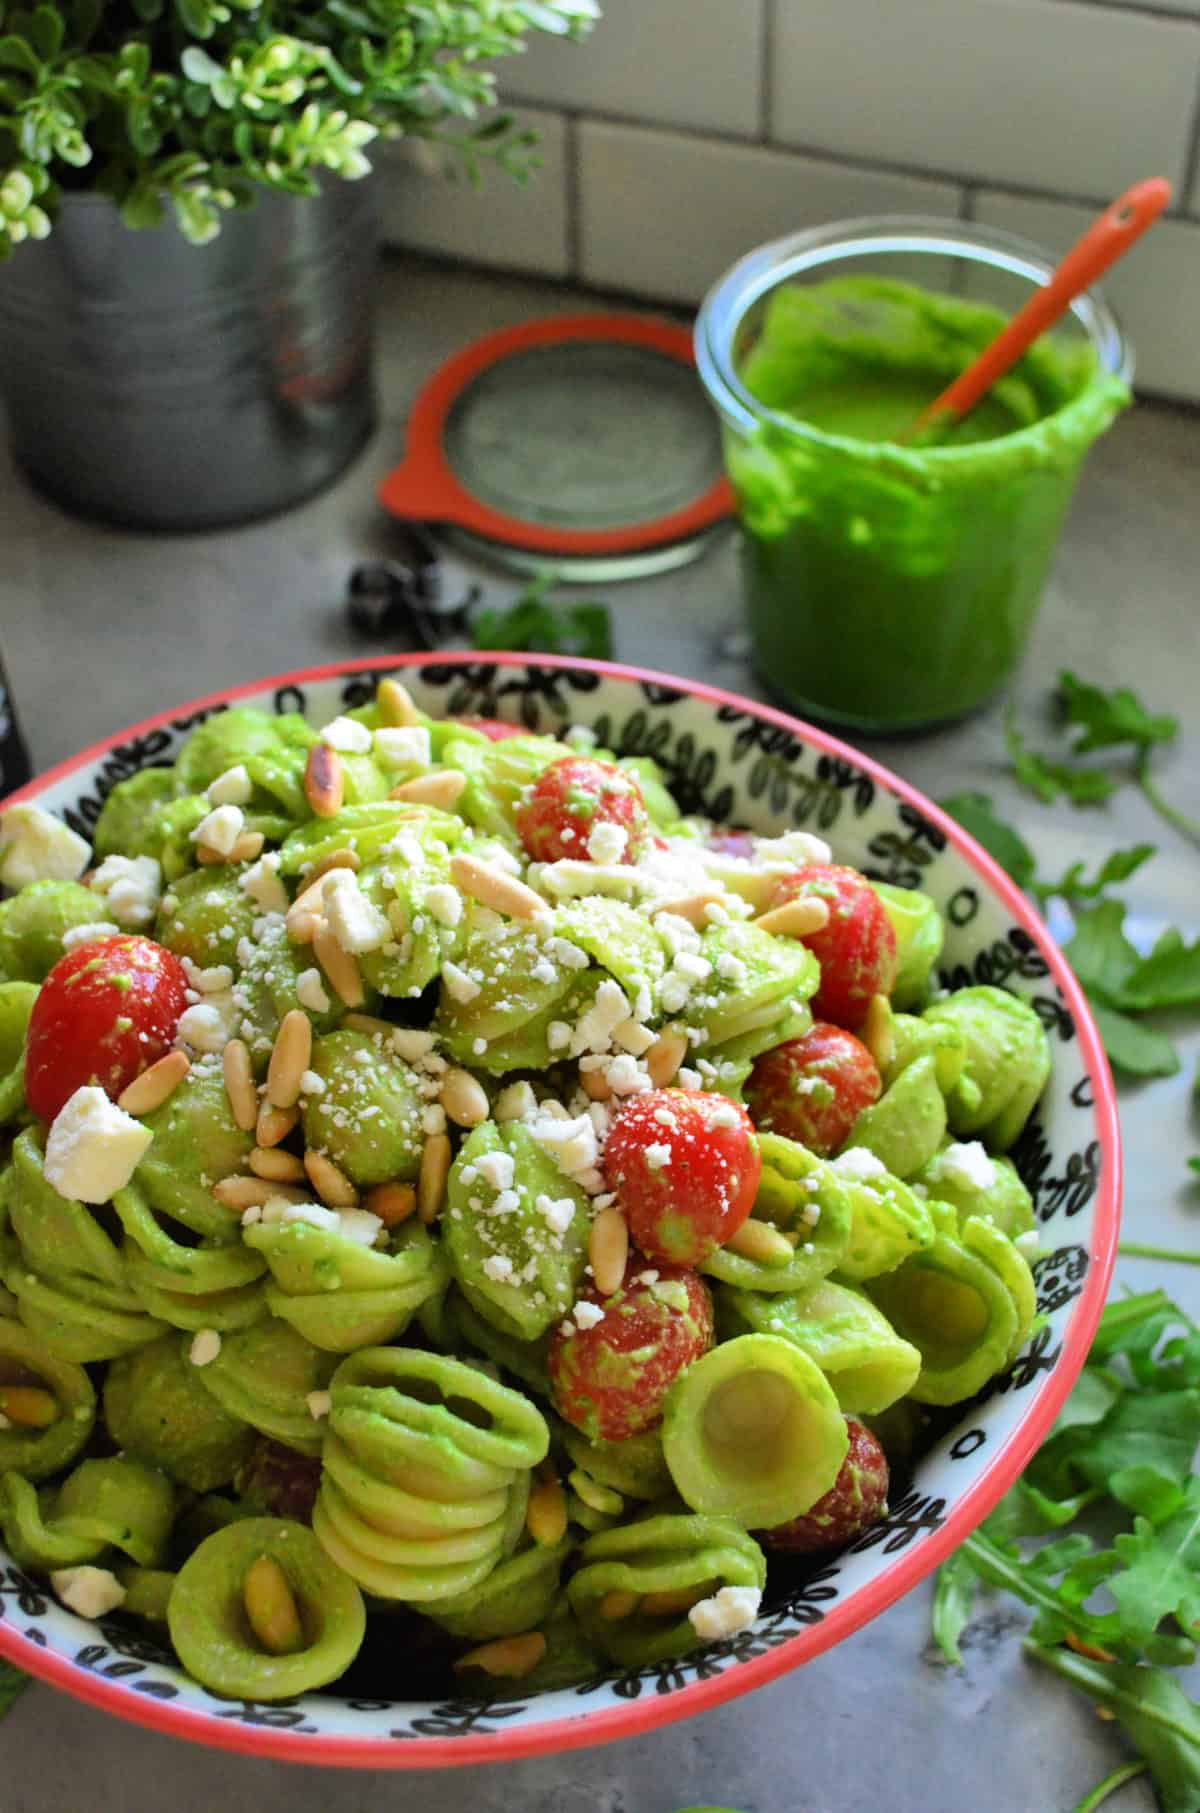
x: 892, y: 586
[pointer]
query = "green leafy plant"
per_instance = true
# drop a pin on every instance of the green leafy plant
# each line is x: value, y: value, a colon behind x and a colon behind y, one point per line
x: 193, y: 104
x: 534, y: 622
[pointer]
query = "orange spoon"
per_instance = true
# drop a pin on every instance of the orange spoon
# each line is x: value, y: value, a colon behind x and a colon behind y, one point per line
x: 1106, y: 240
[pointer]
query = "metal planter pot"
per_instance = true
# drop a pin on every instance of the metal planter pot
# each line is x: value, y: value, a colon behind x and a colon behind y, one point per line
x: 161, y: 385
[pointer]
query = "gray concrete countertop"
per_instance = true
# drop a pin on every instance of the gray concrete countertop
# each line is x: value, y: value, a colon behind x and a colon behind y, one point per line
x: 101, y: 628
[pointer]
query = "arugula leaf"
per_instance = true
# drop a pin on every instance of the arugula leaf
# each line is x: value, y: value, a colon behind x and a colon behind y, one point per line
x: 533, y: 624
x: 1048, y: 778
x: 1099, y: 952
x: 1154, y: 1711
x: 1109, y: 719
x: 13, y: 1682
x: 1194, y: 1164
x: 1072, y: 885
x: 1159, y: 1578
x: 1168, y: 977
x: 976, y: 814
x: 1132, y: 1049
x: 953, y: 1605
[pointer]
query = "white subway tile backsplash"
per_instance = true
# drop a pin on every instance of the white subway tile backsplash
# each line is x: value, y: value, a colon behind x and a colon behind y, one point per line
x: 662, y: 215
x: 1070, y: 98
x: 517, y: 226
x: 694, y: 63
x: 1154, y: 289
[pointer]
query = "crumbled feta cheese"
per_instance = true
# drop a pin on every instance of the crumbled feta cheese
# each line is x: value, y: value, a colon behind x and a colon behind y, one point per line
x: 93, y: 1147
x: 557, y: 1212
x: 212, y: 981
x: 673, y: 992
x: 347, y: 735
x: 515, y: 1102
x: 498, y: 1267
x: 731, y: 1608
x: 261, y: 882
x: 459, y: 986
x: 405, y: 746
x: 587, y: 1315
x: 606, y: 841
x: 93, y: 1592
x: 725, y: 1115
x: 1028, y: 1244
x: 858, y: 1164
x: 566, y: 954
x: 233, y: 788
x: 206, y: 1345
x: 312, y: 1214
x: 506, y: 1203
x: 595, y: 1027
x: 967, y: 1165
x: 83, y: 934
x: 658, y: 1155
x: 312, y: 1083
x: 311, y: 991
x: 631, y: 1036
x: 696, y: 969
x: 445, y: 903
x: 320, y: 1403
x: 433, y: 1120
x: 496, y: 1169
x: 131, y: 887
x: 407, y: 847
x: 203, y: 1027
x: 624, y: 1077
x: 794, y: 850
x: 558, y: 1035
x: 251, y: 1215
x: 359, y: 1226
x: 731, y: 969
x: 544, y: 971
x: 580, y: 737
x: 571, y: 1143
x: 36, y: 846
x: 220, y: 829
x: 355, y: 921
x: 688, y: 1079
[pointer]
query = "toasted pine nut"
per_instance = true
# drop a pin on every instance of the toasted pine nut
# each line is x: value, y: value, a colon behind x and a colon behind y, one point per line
x: 239, y: 1083
x: 759, y: 1241
x: 546, y: 1512
x: 794, y: 919
x: 595, y: 1085
x: 305, y: 913
x: 608, y: 1250
x: 209, y: 858
x: 493, y: 888
x: 691, y: 907
x: 340, y: 967
x: 392, y: 1202
x: 151, y: 1089
x: 274, y: 1124
x: 665, y: 1056
x: 878, y: 1034
x: 324, y: 780
x: 672, y: 1604
x: 369, y: 1023
x: 331, y: 1184
x: 395, y: 704
x: 28, y: 1406
x: 248, y: 846
x: 510, y: 1658
x: 271, y: 1608
x: 290, y: 1056
x: 254, y: 1192
x: 464, y: 1100
x: 442, y: 788
x: 275, y: 1166
x: 431, y: 1183
x: 617, y: 1605
x: 336, y: 859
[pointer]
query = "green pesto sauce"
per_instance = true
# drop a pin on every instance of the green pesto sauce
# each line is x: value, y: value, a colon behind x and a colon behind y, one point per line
x: 891, y: 585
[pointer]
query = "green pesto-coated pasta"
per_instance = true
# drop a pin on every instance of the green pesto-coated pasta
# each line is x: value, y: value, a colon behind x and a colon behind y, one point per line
x: 1008, y: 1062
x: 341, y: 1295
x: 207, y: 1619
x: 156, y: 1410
x: 636, y: 1466
x: 889, y: 1223
x: 103, y: 1504
x: 264, y: 1376
x: 368, y: 1117
x: 804, y: 1196
x: 905, y: 1127
x: 128, y: 818
x: 515, y: 1596
x: 920, y: 933
x: 197, y: 1142
x: 205, y: 915
x: 992, y: 1190
x: 37, y: 1453
x: 32, y: 924
x: 867, y: 1363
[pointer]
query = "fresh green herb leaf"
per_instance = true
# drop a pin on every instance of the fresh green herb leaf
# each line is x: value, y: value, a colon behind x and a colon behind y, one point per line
x: 1047, y: 778
x: 1110, y: 1785
x: 1194, y: 1164
x: 1168, y: 977
x: 1132, y: 1249
x: 1099, y: 952
x: 1159, y: 1577
x: 976, y: 814
x: 1109, y: 719
x: 953, y: 1605
x: 1073, y: 886
x: 533, y: 623
x: 1153, y: 1710
x: 1133, y: 1049
x: 13, y: 1682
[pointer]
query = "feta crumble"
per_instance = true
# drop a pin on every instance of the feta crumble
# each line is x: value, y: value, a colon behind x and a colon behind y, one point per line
x: 93, y: 1147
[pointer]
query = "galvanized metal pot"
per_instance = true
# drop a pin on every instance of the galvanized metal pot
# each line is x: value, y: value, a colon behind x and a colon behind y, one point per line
x: 163, y: 385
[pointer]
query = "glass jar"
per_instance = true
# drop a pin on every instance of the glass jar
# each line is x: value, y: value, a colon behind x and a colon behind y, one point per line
x: 889, y: 586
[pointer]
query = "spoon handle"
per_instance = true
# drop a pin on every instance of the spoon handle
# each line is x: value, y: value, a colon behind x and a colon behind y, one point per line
x: 1108, y: 237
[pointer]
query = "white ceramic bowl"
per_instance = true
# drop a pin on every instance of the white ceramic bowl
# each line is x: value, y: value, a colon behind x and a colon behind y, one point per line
x: 740, y: 763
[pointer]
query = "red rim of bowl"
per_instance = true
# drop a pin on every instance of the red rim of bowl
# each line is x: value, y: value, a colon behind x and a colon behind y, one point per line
x: 868, y: 1601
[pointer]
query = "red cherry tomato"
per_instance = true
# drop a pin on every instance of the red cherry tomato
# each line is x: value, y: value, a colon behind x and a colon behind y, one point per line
x: 106, y: 1011
x: 610, y: 1380
x: 813, y: 1089
x: 856, y: 949
x: 685, y: 1167
x: 493, y: 729
x: 570, y: 799
x: 856, y: 1499
x: 279, y: 1481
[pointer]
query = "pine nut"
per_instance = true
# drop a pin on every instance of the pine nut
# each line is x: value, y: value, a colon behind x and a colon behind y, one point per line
x: 331, y: 1184
x: 464, y: 1100
x: 617, y: 1605
x: 759, y: 1241
x: 794, y: 919
x: 209, y: 858
x: 275, y: 1166
x: 665, y: 1056
x: 336, y: 859
x: 492, y: 888
x: 878, y: 1034
x: 509, y: 1658
x: 431, y: 1183
x: 254, y: 1192
x: 443, y: 788
x: 392, y: 1202
x: 28, y: 1406
x: 595, y: 1085
x: 395, y: 704
x: 672, y: 1604
x: 370, y: 1024
x: 239, y: 1083
x: 247, y: 847
x: 271, y: 1608
x: 305, y: 913
x: 274, y: 1124
x: 290, y: 1057
x: 691, y: 908
x: 150, y: 1090
x: 546, y: 1513
x: 324, y: 781
x: 340, y: 967
x: 608, y: 1250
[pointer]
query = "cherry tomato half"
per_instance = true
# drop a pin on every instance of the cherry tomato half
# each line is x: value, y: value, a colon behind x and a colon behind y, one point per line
x: 856, y: 949
x: 568, y: 805
x: 106, y: 1011
x: 685, y: 1167
x: 813, y: 1089
x: 856, y: 1499
x: 493, y: 729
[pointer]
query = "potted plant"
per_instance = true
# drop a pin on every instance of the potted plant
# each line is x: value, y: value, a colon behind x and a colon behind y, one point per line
x: 185, y: 325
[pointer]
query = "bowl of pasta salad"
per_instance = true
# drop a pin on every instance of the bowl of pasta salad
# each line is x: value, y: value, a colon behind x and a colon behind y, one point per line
x: 536, y: 1196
